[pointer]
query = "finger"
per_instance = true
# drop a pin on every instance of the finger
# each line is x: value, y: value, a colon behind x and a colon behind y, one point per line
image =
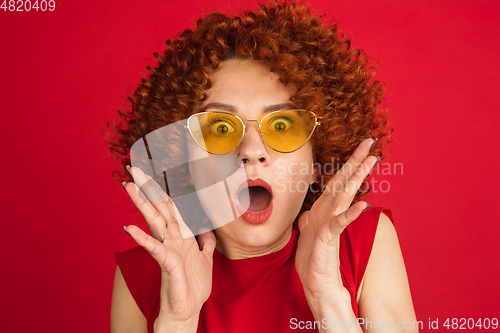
x: 342, y: 176
x: 156, y: 223
x: 207, y: 241
x: 341, y: 221
x: 352, y: 186
x: 150, y: 244
x: 153, y: 192
x: 162, y: 203
x: 344, y: 198
x: 177, y: 223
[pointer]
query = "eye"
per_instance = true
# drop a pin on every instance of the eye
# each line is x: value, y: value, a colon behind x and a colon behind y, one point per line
x: 280, y: 125
x: 222, y: 127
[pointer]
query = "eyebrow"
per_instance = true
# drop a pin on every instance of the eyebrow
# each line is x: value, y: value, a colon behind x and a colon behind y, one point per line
x: 231, y: 108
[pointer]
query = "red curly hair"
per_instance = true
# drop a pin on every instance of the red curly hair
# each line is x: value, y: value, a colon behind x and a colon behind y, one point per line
x: 332, y: 79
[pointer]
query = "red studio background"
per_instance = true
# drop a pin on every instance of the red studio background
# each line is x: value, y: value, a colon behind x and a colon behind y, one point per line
x: 64, y: 73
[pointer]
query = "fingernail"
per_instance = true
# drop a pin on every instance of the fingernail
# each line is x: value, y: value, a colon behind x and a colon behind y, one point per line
x: 369, y: 204
x: 378, y: 160
x: 373, y: 145
x: 125, y: 228
x: 123, y: 184
x: 128, y: 168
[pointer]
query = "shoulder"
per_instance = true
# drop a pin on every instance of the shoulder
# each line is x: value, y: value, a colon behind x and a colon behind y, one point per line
x: 137, y: 265
x: 386, y: 237
x: 134, y: 254
x: 138, y: 280
x: 385, y: 292
x: 385, y: 246
x: 125, y: 314
x: 385, y: 249
x: 358, y: 239
x: 356, y: 244
x: 365, y: 227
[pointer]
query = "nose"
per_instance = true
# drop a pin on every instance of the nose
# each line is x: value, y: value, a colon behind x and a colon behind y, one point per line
x: 253, y: 150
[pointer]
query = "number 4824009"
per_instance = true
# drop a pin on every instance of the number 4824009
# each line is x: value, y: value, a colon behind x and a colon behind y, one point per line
x: 28, y: 6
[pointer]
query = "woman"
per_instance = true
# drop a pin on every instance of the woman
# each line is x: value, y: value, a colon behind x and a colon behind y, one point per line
x: 289, y: 260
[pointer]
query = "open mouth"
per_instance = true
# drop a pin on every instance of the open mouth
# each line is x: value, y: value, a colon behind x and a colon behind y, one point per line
x: 255, y: 200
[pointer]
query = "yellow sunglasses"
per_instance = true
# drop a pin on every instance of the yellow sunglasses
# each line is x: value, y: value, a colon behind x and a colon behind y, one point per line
x: 220, y: 132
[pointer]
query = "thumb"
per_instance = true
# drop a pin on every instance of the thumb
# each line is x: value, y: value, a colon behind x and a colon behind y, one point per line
x: 303, y: 220
x: 207, y: 241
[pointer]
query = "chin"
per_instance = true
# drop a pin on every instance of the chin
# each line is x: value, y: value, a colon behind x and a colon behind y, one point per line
x: 256, y: 235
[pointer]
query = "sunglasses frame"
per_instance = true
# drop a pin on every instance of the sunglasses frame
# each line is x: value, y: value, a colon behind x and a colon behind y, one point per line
x: 316, y: 124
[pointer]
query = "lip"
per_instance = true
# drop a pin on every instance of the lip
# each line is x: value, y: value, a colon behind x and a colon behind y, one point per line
x: 255, y: 217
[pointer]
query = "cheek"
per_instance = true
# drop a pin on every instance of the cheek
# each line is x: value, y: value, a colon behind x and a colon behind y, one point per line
x: 291, y: 188
x: 295, y: 175
x: 300, y: 177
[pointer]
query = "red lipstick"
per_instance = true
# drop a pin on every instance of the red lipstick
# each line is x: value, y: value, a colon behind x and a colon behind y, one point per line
x: 257, y: 217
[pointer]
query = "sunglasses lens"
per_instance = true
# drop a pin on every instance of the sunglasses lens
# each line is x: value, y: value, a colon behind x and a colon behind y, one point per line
x: 287, y: 131
x: 216, y: 132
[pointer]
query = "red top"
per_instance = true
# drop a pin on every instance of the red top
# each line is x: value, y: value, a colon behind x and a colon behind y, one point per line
x: 262, y: 294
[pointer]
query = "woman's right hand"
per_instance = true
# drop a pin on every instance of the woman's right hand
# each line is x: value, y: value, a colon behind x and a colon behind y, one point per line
x: 186, y: 266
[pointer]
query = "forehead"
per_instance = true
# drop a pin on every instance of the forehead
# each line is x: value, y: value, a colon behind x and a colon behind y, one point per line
x: 244, y: 85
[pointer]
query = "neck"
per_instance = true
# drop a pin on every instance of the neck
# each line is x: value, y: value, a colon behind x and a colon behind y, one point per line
x: 235, y: 250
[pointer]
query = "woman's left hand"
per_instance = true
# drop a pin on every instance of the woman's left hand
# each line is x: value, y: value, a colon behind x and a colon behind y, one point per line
x: 317, y: 259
